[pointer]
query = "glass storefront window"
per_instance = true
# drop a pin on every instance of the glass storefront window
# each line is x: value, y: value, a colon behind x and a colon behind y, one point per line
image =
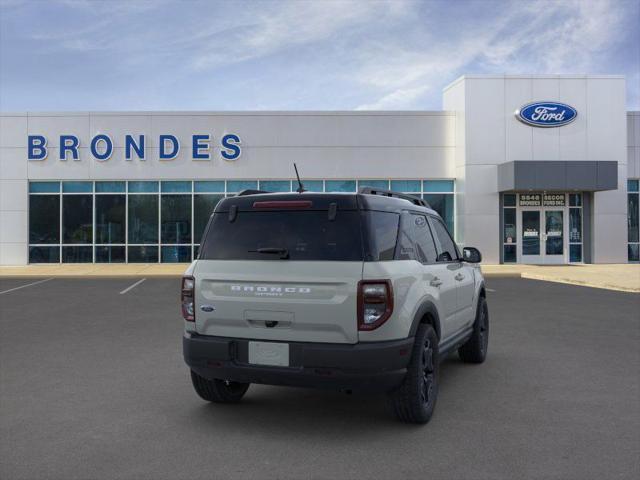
x: 110, y: 254
x: 176, y: 219
x: 575, y: 200
x: 111, y: 187
x: 110, y: 218
x: 212, y: 186
x: 340, y: 185
x: 44, y: 187
x: 143, y: 219
x: 633, y: 232
x: 143, y: 187
x: 510, y: 255
x: 310, y: 185
x: 143, y: 254
x: 632, y: 217
x: 407, y: 186
x: 235, y: 186
x: 381, y: 184
x: 175, y: 187
x: 509, y: 200
x: 276, y: 185
x: 77, y: 254
x: 438, y: 186
x: 44, y: 218
x: 110, y: 221
x: 77, y: 187
x: 176, y: 254
x: 44, y: 254
x: 575, y: 253
x: 510, y: 232
x: 77, y: 219
x: 575, y: 225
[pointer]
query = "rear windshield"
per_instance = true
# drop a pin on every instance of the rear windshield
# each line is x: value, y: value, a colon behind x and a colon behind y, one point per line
x: 303, y: 235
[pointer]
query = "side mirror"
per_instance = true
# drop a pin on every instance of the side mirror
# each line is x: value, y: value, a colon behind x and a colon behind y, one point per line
x: 471, y: 255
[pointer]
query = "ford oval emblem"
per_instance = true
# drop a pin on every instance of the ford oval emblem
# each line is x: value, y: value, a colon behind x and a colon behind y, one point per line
x: 207, y: 308
x: 546, y: 114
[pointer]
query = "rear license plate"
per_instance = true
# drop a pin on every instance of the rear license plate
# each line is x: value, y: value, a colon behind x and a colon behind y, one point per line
x: 269, y: 353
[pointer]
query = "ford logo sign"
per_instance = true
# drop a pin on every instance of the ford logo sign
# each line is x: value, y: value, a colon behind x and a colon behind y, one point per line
x: 546, y: 114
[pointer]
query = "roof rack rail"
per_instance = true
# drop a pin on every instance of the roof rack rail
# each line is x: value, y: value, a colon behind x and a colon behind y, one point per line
x: 391, y: 193
x: 250, y: 191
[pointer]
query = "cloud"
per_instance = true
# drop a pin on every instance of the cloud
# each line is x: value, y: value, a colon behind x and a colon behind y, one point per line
x: 532, y: 37
x: 330, y: 54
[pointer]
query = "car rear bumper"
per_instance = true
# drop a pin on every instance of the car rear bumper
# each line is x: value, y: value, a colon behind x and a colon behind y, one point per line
x: 374, y: 366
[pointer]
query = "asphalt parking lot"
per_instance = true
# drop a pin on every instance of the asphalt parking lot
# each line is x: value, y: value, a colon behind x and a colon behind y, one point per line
x: 92, y: 385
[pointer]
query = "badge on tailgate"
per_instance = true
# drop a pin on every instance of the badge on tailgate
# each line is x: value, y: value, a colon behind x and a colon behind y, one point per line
x: 269, y: 353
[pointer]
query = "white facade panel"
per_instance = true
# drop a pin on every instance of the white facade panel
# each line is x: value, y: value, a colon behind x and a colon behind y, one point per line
x: 518, y: 136
x: 573, y: 144
x: 13, y: 131
x: 13, y: 254
x: 13, y: 195
x: 14, y: 226
x: 13, y: 163
x: 546, y: 141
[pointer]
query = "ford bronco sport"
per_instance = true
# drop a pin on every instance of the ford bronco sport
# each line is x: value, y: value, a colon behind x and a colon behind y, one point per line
x: 354, y: 292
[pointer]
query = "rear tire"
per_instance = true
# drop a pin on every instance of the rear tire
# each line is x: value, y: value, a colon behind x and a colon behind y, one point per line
x: 218, y: 391
x: 474, y: 350
x: 415, y: 400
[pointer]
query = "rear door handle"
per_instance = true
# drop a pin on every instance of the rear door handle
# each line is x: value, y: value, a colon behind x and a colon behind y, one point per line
x: 435, y: 282
x: 459, y: 277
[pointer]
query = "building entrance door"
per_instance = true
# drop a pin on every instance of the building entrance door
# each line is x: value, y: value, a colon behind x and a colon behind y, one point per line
x: 542, y: 235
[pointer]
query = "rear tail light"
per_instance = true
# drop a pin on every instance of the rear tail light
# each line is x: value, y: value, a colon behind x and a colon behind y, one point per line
x: 188, y: 309
x: 375, y: 303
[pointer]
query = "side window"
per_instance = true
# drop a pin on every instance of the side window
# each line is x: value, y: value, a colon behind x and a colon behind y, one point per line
x: 405, y: 249
x: 447, y: 251
x: 425, y: 247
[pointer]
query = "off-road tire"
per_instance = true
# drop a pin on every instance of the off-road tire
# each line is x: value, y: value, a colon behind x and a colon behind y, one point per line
x: 218, y: 391
x: 415, y: 399
x: 474, y: 350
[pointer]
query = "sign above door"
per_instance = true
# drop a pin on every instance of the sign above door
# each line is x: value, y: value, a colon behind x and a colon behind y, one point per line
x: 542, y: 200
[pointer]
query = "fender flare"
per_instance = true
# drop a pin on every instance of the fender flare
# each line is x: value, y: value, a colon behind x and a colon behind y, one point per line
x: 427, y: 307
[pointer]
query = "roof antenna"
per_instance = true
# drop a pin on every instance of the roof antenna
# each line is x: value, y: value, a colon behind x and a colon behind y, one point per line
x: 300, y: 188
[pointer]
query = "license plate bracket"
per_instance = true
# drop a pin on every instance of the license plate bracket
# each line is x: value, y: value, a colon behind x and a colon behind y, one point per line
x: 269, y: 353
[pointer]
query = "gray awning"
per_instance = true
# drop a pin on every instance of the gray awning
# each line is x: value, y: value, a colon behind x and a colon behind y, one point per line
x: 590, y: 176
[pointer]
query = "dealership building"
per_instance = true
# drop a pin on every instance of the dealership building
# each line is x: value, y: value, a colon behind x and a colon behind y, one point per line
x: 529, y: 169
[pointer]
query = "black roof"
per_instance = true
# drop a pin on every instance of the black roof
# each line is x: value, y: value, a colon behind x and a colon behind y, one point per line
x: 321, y: 201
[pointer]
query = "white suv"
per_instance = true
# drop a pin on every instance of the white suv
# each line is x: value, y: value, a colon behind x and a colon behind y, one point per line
x: 363, y: 291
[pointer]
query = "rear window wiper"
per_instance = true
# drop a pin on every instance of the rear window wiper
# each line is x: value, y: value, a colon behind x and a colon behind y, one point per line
x: 284, y: 253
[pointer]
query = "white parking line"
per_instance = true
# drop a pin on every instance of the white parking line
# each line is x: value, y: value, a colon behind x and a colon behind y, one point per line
x: 25, y: 286
x: 132, y: 286
x: 490, y: 290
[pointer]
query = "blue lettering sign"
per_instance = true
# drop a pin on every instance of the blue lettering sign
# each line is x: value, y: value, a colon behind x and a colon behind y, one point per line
x: 37, y: 147
x: 164, y: 155
x: 70, y: 143
x: 231, y: 147
x: 108, y: 147
x: 130, y: 143
x: 201, y: 142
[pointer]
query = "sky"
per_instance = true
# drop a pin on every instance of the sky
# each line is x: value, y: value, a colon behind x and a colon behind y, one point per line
x: 297, y: 55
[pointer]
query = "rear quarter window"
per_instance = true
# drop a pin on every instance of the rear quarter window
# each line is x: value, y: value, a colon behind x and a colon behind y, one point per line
x: 381, y: 235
